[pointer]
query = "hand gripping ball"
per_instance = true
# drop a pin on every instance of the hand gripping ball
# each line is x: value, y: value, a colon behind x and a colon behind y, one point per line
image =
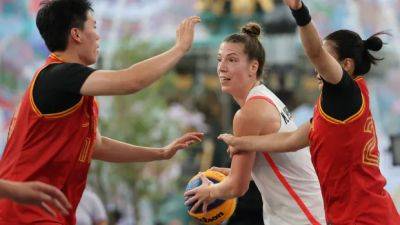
x: 219, y: 210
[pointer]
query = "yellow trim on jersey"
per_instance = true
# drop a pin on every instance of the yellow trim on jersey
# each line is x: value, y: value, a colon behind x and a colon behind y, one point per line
x: 50, y: 115
x: 336, y: 121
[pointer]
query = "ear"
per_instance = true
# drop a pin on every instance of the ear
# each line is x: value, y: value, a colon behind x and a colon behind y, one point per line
x: 76, y: 35
x: 254, y: 67
x: 348, y: 65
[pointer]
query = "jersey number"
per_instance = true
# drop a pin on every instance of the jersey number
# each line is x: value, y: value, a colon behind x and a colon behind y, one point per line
x: 85, y: 152
x: 370, y: 156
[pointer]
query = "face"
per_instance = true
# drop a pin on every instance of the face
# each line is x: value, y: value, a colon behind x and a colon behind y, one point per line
x: 89, y: 41
x: 235, y: 72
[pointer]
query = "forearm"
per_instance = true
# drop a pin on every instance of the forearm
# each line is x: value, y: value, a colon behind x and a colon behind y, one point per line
x: 115, y: 151
x: 144, y: 73
x: 311, y: 41
x: 237, y: 182
x: 277, y: 142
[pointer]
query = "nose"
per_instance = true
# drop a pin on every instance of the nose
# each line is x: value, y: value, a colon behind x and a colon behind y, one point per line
x: 97, y: 37
x: 221, y: 66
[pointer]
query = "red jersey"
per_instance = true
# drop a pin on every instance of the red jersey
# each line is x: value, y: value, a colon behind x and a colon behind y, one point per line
x: 346, y: 158
x: 52, y: 148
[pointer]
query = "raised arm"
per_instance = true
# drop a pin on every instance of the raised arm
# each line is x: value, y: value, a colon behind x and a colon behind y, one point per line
x: 276, y: 142
x: 326, y: 65
x: 142, y: 74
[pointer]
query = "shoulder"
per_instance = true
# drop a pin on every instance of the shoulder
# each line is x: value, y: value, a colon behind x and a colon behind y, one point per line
x: 256, y: 114
x: 69, y: 67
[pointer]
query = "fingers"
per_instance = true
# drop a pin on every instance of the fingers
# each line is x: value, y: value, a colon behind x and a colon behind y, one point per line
x: 49, y: 195
x: 191, y: 200
x: 205, y: 207
x: 48, y: 209
x: 227, y: 138
x: 224, y: 171
x: 60, y: 207
x: 204, y: 179
x: 191, y: 138
x: 196, y: 206
x: 56, y: 194
x: 185, y: 32
x: 190, y: 192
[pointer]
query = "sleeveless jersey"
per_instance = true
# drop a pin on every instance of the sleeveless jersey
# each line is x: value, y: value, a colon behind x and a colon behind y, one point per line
x: 52, y: 148
x: 287, y: 181
x: 346, y: 158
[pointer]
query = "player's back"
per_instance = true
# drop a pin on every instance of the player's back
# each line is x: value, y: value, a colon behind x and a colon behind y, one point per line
x: 287, y: 181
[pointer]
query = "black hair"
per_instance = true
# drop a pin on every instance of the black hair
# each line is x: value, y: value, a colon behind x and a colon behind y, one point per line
x: 348, y: 44
x: 252, y: 46
x: 56, y: 18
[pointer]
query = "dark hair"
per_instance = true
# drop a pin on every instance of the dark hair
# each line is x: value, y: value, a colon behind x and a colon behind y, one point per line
x: 56, y: 18
x: 348, y: 44
x: 252, y: 46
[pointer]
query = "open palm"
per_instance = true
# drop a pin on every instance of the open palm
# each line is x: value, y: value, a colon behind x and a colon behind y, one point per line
x: 181, y: 143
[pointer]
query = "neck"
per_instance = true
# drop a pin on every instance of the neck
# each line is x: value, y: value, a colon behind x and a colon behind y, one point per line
x: 240, y: 98
x: 68, y: 56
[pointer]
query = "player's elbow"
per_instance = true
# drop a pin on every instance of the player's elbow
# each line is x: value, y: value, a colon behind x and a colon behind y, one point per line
x: 132, y: 87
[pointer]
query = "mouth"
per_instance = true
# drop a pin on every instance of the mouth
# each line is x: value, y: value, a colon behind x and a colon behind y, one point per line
x: 224, y: 78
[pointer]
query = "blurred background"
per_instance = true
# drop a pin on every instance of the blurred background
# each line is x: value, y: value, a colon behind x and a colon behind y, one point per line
x: 189, y: 97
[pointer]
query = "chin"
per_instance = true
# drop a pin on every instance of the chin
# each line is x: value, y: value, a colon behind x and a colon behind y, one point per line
x: 225, y: 89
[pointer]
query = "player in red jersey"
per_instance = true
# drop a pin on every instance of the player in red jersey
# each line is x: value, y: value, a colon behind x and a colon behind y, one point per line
x: 341, y: 135
x: 54, y: 135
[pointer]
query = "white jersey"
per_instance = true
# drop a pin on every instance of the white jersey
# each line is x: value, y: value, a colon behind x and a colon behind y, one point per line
x: 287, y: 182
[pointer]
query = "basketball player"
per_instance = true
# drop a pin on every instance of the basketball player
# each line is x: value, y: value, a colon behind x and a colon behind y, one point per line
x: 287, y: 182
x: 53, y: 136
x: 341, y: 135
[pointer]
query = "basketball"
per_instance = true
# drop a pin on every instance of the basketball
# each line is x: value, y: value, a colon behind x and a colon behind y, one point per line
x: 219, y: 210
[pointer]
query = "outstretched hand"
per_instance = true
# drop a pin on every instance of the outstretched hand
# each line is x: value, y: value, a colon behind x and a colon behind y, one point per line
x: 43, y: 195
x: 181, y: 143
x: 293, y: 4
x: 185, y: 33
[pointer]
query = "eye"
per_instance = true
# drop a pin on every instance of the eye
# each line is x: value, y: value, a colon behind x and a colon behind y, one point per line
x: 219, y: 59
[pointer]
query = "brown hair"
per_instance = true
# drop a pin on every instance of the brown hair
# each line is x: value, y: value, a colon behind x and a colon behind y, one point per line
x: 252, y: 46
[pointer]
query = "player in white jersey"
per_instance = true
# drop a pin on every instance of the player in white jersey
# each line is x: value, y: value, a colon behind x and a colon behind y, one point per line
x: 287, y: 181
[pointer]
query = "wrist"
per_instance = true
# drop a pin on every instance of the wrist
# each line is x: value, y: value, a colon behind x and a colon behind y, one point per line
x: 179, y: 51
x: 301, y: 14
x: 162, y: 153
x: 6, y: 189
